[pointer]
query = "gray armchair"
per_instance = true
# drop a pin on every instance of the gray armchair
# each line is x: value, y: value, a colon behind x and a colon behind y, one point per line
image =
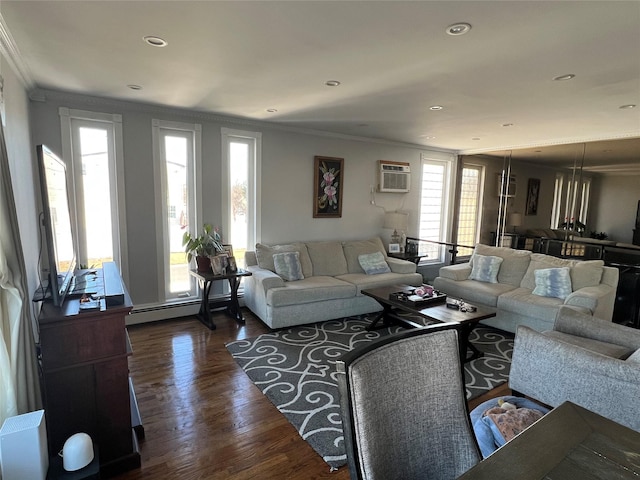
x: 404, y: 409
x: 593, y: 363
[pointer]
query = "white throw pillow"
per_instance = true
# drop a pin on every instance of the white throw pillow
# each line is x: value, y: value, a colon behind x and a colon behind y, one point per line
x: 287, y: 265
x: 485, y: 268
x: 553, y: 282
x: 373, y: 263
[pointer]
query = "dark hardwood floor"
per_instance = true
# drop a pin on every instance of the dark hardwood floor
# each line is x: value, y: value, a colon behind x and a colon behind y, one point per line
x: 203, y: 418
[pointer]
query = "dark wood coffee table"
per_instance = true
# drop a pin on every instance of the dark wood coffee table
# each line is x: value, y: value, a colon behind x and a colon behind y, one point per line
x: 421, y: 315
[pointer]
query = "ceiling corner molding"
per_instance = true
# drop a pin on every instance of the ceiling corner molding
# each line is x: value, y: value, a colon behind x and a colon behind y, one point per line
x: 10, y: 51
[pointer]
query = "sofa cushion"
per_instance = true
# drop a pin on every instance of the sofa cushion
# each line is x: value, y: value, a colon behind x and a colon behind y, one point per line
x: 524, y: 303
x: 604, y: 348
x: 354, y: 248
x: 312, y: 289
x: 485, y: 268
x: 472, y: 291
x: 586, y: 274
x: 364, y: 281
x: 373, y: 263
x: 327, y: 258
x: 264, y: 255
x: 514, y: 264
x: 542, y: 261
x: 553, y: 282
x: 288, y: 265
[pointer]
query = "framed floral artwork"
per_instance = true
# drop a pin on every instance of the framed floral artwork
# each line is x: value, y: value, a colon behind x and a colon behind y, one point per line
x: 327, y: 187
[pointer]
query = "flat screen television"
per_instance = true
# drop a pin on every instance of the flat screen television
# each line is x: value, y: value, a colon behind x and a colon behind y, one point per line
x: 57, y: 223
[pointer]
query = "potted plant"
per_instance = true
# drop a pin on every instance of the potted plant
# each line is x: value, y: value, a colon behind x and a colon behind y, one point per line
x: 202, y: 246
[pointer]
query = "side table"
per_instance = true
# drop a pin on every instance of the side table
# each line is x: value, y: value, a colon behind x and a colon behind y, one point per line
x: 415, y: 258
x: 230, y: 301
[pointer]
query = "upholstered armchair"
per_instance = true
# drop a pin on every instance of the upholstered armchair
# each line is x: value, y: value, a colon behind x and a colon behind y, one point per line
x: 591, y: 362
x: 404, y: 410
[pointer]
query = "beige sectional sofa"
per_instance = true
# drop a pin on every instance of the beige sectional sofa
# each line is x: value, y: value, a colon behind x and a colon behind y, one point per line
x: 332, y: 283
x: 592, y: 288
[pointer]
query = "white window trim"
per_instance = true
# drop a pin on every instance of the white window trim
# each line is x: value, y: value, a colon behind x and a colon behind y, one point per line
x: 159, y: 181
x: 255, y: 173
x: 121, y: 253
x: 447, y: 201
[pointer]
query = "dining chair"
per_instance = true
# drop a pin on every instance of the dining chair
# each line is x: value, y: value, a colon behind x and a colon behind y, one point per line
x: 404, y: 407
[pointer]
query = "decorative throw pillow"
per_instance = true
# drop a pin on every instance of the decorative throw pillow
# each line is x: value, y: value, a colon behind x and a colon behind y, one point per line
x: 553, y: 282
x: 288, y: 266
x: 485, y: 268
x: 373, y: 263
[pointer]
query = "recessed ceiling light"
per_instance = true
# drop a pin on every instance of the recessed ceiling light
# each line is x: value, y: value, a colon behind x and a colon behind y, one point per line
x: 155, y: 41
x: 332, y: 83
x: 631, y: 105
x: 475, y: 139
x: 568, y: 76
x: 436, y: 107
x: 134, y: 87
x: 458, y: 29
x: 427, y: 137
x: 272, y: 110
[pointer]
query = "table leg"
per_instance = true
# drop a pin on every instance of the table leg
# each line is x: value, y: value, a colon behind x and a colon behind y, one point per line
x: 204, y: 315
x: 466, y: 345
x: 383, y: 315
x: 233, y: 308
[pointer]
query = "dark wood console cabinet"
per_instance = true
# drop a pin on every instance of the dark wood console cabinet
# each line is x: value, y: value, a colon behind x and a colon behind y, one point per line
x: 85, y: 380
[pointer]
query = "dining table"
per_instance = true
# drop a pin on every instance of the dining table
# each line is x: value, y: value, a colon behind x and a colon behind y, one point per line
x: 568, y: 443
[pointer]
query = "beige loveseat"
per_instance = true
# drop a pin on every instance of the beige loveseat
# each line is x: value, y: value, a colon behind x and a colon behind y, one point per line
x: 332, y: 283
x: 592, y: 288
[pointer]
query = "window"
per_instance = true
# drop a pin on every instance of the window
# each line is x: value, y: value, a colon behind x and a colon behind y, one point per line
x: 241, y: 166
x: 176, y: 162
x: 469, y: 210
x: 434, y: 205
x: 92, y: 143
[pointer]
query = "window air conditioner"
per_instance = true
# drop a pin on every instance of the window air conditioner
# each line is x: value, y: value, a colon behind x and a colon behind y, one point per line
x: 395, y: 177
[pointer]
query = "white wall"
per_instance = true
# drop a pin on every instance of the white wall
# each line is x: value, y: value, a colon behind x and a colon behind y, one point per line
x: 615, y: 212
x: 286, y: 183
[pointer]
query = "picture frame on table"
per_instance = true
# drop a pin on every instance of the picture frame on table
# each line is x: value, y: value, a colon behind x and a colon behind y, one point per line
x: 228, y: 249
x: 327, y: 187
x: 218, y: 264
x: 233, y: 266
x: 394, y: 248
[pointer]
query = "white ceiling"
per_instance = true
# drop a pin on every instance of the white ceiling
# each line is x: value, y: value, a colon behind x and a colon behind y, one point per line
x: 393, y: 58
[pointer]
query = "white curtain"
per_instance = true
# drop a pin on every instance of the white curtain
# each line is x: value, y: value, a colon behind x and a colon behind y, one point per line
x: 19, y: 385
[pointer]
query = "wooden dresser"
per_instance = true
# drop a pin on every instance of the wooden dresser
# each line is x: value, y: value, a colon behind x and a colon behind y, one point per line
x: 85, y: 380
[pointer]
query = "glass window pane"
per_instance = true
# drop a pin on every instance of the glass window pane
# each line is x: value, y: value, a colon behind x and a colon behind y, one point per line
x: 94, y: 152
x: 176, y: 155
x: 239, y: 179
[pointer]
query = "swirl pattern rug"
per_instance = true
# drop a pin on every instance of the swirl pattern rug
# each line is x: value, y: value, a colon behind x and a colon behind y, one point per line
x: 295, y: 369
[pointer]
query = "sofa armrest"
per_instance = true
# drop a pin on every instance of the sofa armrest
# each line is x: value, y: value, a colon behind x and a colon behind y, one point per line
x: 458, y: 272
x: 266, y: 278
x: 604, y: 296
x: 602, y: 384
x: 575, y: 323
x: 398, y: 265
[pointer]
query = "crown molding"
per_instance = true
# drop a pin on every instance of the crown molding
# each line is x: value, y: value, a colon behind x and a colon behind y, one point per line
x: 10, y: 51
